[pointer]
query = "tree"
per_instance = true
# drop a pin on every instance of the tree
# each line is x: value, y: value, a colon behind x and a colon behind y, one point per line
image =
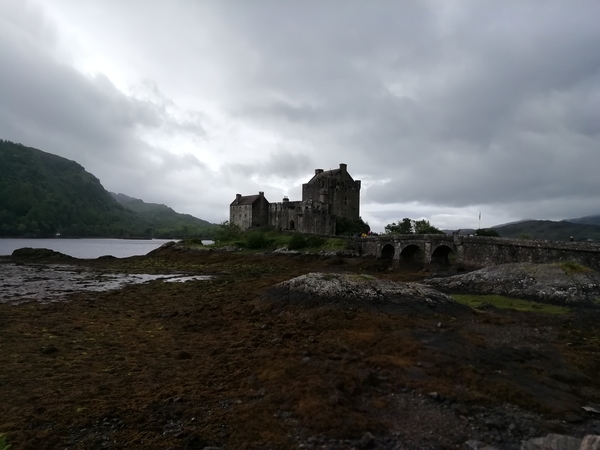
x: 404, y: 227
x: 227, y: 231
x: 424, y: 227
x: 345, y: 226
x: 486, y: 232
x: 409, y: 226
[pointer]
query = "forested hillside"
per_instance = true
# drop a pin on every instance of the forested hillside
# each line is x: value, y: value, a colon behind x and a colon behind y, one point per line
x: 164, y: 220
x: 43, y: 194
x: 587, y: 220
x: 550, y: 230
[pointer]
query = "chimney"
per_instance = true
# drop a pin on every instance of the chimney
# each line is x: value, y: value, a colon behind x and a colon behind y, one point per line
x: 343, y: 167
x: 238, y: 197
x: 261, y: 194
x: 286, y: 199
x: 318, y: 171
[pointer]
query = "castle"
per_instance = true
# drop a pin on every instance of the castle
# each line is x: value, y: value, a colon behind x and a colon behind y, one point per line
x: 327, y: 196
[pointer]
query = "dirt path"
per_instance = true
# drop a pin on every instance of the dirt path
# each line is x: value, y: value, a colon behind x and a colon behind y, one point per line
x: 207, y: 363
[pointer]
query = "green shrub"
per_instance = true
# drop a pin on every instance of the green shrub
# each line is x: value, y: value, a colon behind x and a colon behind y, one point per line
x: 192, y: 241
x: 486, y: 232
x: 349, y: 227
x: 227, y: 232
x: 315, y: 241
x: 256, y: 241
x: 297, y: 241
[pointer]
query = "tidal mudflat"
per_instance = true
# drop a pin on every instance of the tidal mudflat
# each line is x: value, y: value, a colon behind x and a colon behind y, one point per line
x: 226, y: 363
x: 47, y: 283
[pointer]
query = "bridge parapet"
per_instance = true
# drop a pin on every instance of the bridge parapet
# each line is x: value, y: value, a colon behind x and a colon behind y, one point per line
x: 481, y: 251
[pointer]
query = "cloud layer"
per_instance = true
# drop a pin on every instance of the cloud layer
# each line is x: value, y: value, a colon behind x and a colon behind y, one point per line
x: 442, y: 108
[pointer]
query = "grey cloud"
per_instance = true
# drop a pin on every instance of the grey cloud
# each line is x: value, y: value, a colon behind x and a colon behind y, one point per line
x: 283, y: 164
x: 456, y: 105
x: 504, y: 108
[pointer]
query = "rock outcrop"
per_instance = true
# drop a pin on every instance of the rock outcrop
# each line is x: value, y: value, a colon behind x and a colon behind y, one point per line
x: 562, y: 442
x: 561, y: 283
x: 362, y: 291
x: 38, y: 254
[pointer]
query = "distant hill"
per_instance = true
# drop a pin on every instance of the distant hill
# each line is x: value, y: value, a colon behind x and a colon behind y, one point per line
x: 587, y: 220
x: 42, y: 194
x: 164, y: 220
x: 550, y: 230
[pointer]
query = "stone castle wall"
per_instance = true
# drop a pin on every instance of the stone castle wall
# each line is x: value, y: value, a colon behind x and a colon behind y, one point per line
x: 338, y: 189
x: 327, y: 196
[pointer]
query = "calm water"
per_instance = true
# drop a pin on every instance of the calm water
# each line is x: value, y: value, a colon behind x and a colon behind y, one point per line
x: 86, y: 248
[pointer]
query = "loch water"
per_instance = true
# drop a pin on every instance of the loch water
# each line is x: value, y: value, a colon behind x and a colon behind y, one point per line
x: 87, y: 248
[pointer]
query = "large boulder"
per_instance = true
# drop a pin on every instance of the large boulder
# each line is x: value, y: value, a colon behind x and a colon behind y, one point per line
x: 362, y: 291
x: 560, y: 283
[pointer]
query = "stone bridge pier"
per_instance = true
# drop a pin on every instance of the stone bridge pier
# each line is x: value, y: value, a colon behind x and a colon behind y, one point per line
x: 472, y: 252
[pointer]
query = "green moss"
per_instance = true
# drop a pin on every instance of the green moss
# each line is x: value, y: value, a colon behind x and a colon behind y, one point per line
x: 362, y: 277
x: 502, y: 302
x: 571, y: 267
x: 3, y: 444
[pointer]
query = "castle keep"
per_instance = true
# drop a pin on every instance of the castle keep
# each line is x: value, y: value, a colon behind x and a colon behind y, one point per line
x: 328, y: 195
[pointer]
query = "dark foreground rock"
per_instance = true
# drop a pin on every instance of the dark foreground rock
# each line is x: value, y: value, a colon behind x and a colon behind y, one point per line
x: 562, y: 442
x: 362, y: 291
x: 38, y: 254
x: 551, y: 283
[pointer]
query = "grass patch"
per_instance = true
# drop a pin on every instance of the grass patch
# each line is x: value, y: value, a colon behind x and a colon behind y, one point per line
x: 502, y: 302
x: 270, y: 239
x: 3, y: 444
x: 362, y: 277
x: 571, y: 267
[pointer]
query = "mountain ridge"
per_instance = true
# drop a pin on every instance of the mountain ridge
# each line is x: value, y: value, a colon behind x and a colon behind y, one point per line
x: 42, y: 194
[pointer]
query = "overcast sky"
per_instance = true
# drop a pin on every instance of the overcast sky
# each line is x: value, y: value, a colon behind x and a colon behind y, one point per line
x: 442, y: 108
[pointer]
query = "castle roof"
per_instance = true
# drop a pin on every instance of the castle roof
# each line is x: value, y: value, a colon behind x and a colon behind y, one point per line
x: 245, y: 200
x: 325, y: 174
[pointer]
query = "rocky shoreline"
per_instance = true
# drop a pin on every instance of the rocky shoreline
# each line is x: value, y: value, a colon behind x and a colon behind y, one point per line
x: 560, y: 283
x: 291, y: 351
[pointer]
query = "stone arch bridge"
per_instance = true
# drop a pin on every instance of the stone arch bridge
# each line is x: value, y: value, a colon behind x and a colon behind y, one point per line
x: 471, y: 252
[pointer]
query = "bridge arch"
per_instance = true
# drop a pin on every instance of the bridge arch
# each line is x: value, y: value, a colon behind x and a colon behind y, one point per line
x: 412, y: 254
x: 443, y: 255
x: 388, y: 251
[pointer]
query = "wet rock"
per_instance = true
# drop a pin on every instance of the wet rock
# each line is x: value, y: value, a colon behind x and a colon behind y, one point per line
x: 494, y: 424
x: 477, y: 445
x: 550, y: 283
x: 590, y: 443
x: 367, y: 440
x: 49, y: 349
x: 573, y: 418
x: 362, y: 291
x: 38, y: 254
x: 435, y: 396
x: 183, y: 355
x: 552, y: 442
